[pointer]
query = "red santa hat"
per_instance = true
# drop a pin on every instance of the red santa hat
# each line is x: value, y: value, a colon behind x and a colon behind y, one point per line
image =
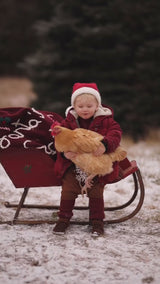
x: 85, y: 88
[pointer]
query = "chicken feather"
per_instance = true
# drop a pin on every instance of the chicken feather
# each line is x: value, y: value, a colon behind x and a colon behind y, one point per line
x: 86, y: 141
x: 78, y: 140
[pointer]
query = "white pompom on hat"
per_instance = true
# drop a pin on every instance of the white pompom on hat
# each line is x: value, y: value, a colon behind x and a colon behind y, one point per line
x: 85, y: 88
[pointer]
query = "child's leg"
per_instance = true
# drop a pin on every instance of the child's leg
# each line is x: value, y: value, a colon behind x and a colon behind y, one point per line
x: 70, y: 191
x: 96, y: 207
x: 96, y: 201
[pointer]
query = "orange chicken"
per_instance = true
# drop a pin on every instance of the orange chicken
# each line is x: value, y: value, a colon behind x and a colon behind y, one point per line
x: 84, y: 142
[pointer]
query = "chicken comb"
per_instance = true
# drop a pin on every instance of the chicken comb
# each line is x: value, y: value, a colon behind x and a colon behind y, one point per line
x: 55, y: 123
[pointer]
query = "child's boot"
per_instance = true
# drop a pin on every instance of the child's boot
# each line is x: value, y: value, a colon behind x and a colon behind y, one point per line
x: 97, y: 228
x: 61, y: 226
x: 65, y: 214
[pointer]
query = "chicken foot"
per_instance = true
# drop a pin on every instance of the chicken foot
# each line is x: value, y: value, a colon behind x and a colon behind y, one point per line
x: 88, y: 184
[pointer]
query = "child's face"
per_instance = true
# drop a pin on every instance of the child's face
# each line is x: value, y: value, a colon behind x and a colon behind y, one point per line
x: 85, y: 105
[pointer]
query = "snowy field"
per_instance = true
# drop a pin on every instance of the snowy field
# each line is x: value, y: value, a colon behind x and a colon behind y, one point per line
x: 128, y: 253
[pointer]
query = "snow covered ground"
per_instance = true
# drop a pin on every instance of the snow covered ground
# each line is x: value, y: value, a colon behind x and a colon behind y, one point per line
x: 128, y: 253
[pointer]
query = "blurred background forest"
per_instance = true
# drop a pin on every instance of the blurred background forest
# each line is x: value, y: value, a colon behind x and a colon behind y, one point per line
x: 49, y: 45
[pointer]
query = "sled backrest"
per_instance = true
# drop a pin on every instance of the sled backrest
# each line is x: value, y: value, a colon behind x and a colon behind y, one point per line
x: 126, y: 168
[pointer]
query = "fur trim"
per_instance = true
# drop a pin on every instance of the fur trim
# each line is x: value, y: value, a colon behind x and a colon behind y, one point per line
x: 86, y: 90
x: 101, y: 111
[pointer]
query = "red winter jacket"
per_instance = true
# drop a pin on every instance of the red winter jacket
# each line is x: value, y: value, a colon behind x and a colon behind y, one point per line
x: 102, y: 123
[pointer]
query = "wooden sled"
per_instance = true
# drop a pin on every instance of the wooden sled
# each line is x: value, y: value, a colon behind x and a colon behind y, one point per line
x: 33, y: 168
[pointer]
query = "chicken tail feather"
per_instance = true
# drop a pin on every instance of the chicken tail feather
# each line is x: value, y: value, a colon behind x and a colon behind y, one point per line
x: 119, y: 154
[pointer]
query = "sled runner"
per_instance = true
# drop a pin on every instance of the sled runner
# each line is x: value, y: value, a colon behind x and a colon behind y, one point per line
x: 29, y: 168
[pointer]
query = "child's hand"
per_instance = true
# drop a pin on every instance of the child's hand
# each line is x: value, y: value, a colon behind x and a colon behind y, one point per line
x: 100, y: 150
x: 70, y: 155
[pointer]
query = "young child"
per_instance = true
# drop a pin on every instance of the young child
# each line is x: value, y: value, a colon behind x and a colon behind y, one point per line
x: 86, y: 111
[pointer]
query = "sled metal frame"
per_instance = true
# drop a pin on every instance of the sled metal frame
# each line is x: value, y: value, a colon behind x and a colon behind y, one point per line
x: 138, y: 187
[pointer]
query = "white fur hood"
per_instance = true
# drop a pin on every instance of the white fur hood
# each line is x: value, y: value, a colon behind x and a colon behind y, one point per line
x: 101, y: 111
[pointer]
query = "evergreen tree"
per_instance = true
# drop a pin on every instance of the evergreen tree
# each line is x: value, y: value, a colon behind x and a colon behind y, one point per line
x: 17, y: 36
x: 114, y: 43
